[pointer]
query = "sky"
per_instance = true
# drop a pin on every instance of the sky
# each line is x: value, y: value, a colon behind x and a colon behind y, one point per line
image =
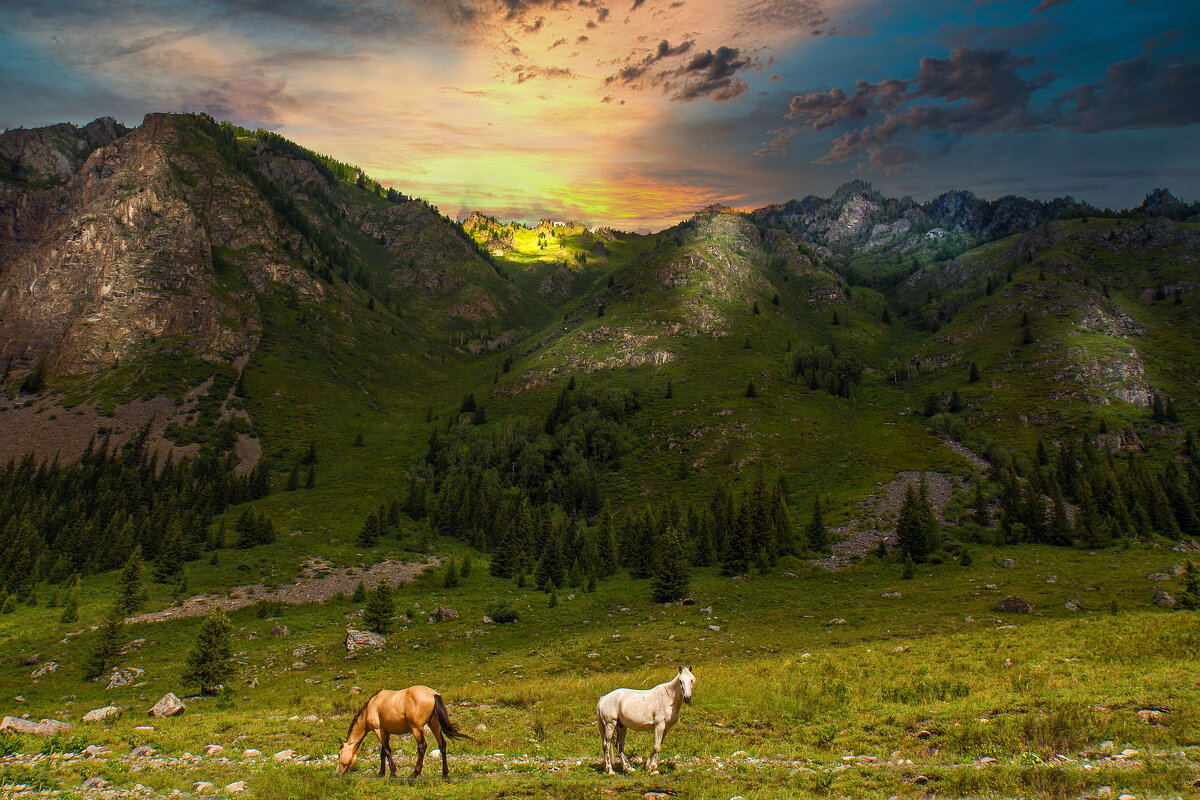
x: 637, y: 113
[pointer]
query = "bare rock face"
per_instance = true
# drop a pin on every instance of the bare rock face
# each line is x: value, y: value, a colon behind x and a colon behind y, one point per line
x: 168, y: 706
x: 363, y: 640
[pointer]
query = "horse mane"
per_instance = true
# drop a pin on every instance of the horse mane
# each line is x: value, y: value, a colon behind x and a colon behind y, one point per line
x: 358, y: 714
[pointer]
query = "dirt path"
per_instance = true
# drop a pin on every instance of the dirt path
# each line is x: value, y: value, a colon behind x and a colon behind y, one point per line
x: 878, y: 516
x: 319, y: 582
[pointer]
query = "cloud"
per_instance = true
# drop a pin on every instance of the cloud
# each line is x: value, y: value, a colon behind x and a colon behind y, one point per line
x: 825, y: 109
x: 631, y: 73
x: 784, y: 14
x: 712, y: 75
x: 777, y: 146
x: 1046, y: 5
x: 1137, y: 93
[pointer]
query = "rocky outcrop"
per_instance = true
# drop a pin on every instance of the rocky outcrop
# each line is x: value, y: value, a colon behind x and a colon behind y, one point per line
x: 363, y: 640
x: 168, y: 706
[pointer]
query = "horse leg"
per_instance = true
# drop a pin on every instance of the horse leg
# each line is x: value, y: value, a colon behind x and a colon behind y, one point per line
x: 607, y: 729
x: 419, y: 735
x: 625, y: 765
x: 660, y: 730
x: 384, y: 752
x: 436, y: 727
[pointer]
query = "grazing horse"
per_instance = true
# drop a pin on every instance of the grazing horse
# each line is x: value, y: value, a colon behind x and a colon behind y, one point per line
x: 398, y: 713
x: 654, y: 709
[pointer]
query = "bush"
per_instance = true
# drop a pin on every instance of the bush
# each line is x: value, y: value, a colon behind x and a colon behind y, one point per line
x: 501, y: 611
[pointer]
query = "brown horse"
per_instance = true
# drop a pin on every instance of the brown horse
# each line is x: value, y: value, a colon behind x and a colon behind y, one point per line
x: 398, y: 713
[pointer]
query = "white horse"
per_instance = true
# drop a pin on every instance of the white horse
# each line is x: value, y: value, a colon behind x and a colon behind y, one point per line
x: 654, y: 709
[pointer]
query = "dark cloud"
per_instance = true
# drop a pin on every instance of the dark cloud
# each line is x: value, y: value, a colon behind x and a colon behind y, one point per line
x: 824, y: 109
x: 1166, y: 39
x: 892, y: 160
x: 557, y: 43
x: 637, y: 4
x: 777, y: 146
x: 712, y: 75
x: 1046, y: 5
x: 631, y: 73
x: 1137, y: 93
x: 527, y: 72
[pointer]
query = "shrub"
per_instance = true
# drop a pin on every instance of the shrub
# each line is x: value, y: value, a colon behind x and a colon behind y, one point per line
x: 501, y: 611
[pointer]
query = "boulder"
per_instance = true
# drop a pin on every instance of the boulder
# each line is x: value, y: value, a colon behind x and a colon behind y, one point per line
x: 1151, y: 716
x: 235, y: 787
x: 284, y: 755
x: 1072, y: 605
x: 1187, y: 546
x: 836, y: 621
x: 199, y: 787
x: 487, y: 620
x: 1158, y: 576
x: 1014, y: 605
x: 1164, y: 598
x: 363, y: 640
x: 168, y: 706
x: 251, y: 753
x: 1009, y: 563
x: 142, y: 751
x: 123, y: 677
x: 94, y: 751
x: 440, y: 614
x: 47, y: 727
x: 102, y: 714
x: 212, y: 749
x: 49, y: 666
x: 280, y: 631
x: 94, y: 782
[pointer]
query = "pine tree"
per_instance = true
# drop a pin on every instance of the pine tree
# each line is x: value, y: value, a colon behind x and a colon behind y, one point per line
x: 210, y: 663
x: 380, y: 610
x: 465, y: 572
x: 973, y: 375
x: 836, y: 319
x: 750, y: 390
x: 1158, y: 412
x: 671, y: 572
x: 70, y: 612
x: 358, y: 440
x: 816, y: 533
x: 886, y: 319
x: 311, y: 480
x: 450, y: 580
x: 912, y: 527
x: 910, y: 568
x: 755, y: 308
x: 1189, y: 598
x: 293, y: 481
x: 738, y: 547
x: 107, y: 646
x: 131, y: 584
x: 169, y: 562
x: 775, y: 300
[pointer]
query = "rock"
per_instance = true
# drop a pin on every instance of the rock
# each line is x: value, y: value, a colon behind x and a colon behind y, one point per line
x: 836, y: 621
x: 235, y: 787
x: 136, y: 644
x: 1177, y: 570
x: 1014, y: 605
x: 48, y: 667
x: 990, y: 586
x: 1164, y: 598
x: 739, y: 754
x: 213, y: 749
x: 1127, y: 797
x: 900, y: 648
x: 920, y: 780
x: 251, y: 753
x: 1052, y: 579
x: 487, y: 620
x: 203, y: 786
x: 299, y: 665
x: 29, y: 661
x: 714, y: 628
x: 102, y: 714
x: 311, y: 718
x: 441, y: 614
x: 284, y: 755
x: 1009, y: 563
x: 94, y: 782
x: 687, y: 601
x: 891, y: 594
x: 481, y: 728
x: 1072, y: 605
x: 280, y: 631
x: 123, y: 677
x: 142, y: 751
x: 47, y: 727
x: 363, y: 640
x: 1151, y: 716
x: 168, y: 706
x: 94, y: 751
x: 1158, y: 576
x: 435, y: 753
x: 1187, y: 546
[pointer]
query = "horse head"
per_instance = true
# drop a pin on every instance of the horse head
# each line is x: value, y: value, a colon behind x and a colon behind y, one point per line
x: 347, y: 755
x: 686, y: 681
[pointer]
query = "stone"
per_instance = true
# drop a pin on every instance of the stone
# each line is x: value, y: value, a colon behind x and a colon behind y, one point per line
x: 102, y: 714
x: 29, y: 661
x: 44, y: 669
x: 1177, y: 569
x: 363, y: 640
x: 892, y: 594
x: 142, y: 751
x: 487, y: 620
x: 47, y: 727
x: 1187, y: 546
x: 124, y: 676
x: 1072, y: 605
x: 299, y: 665
x: 1014, y: 605
x: 94, y: 782
x: 94, y: 751
x: 714, y: 628
x: 1164, y: 598
x: 251, y: 753
x: 836, y: 621
x: 481, y: 728
x: 687, y: 601
x: 441, y: 614
x: 1158, y: 576
x: 235, y: 787
x: 203, y: 786
x: 280, y: 631
x: 167, y: 706
x: 212, y: 749
x: 1052, y: 579
x: 284, y: 755
x: 1151, y: 716
x: 311, y: 718
x: 1009, y: 563
x: 900, y: 648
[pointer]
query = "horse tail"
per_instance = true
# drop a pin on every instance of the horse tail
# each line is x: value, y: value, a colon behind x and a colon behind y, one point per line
x: 448, y: 727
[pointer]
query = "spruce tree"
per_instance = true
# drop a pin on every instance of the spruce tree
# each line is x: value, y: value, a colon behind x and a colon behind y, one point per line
x: 750, y: 390
x: 293, y: 481
x: 671, y: 572
x: 450, y: 580
x: 973, y: 375
x: 1189, y: 598
x: 70, y: 612
x: 465, y: 571
x: 360, y: 593
x: 131, y: 584
x: 738, y: 548
x: 380, y: 610
x: 816, y: 533
x: 210, y: 663
x: 107, y: 646
x: 1157, y: 411
x: 311, y: 480
x: 169, y: 562
x: 916, y: 528
x: 910, y: 568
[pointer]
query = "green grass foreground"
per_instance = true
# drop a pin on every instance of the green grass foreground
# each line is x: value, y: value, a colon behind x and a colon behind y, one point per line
x: 909, y: 696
